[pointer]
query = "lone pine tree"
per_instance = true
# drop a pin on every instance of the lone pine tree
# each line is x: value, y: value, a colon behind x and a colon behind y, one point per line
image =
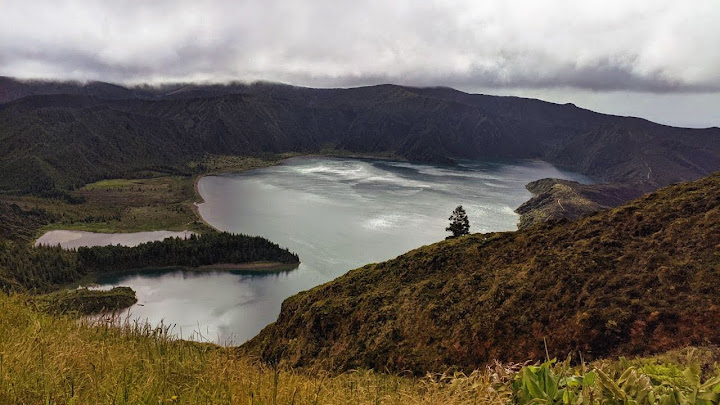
x: 459, y: 223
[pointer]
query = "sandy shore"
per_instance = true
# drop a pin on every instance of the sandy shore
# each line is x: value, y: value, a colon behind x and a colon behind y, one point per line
x: 196, y: 204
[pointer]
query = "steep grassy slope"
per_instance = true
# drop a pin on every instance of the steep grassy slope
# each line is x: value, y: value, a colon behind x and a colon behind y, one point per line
x: 61, y: 141
x: 58, y: 360
x: 640, y: 278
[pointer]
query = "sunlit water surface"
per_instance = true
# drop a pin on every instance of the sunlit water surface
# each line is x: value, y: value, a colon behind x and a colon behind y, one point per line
x: 337, y: 214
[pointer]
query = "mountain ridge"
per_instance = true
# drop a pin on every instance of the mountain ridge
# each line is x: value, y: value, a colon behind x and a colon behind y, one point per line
x: 500, y: 116
x: 74, y: 134
x: 28, y: 87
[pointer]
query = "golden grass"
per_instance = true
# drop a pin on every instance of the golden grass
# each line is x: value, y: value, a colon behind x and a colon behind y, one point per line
x: 59, y: 360
x: 159, y: 203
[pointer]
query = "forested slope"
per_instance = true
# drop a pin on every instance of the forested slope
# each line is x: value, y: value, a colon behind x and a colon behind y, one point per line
x: 57, y: 142
x: 24, y: 268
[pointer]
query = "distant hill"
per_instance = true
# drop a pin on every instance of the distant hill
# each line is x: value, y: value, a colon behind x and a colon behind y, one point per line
x: 56, y: 136
x: 636, y: 279
x: 13, y: 89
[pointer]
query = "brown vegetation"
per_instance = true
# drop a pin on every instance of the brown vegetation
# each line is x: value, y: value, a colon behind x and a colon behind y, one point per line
x: 637, y: 279
x: 83, y: 301
x: 555, y: 199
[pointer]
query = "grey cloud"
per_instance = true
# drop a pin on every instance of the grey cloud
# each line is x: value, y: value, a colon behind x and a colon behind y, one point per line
x: 646, y: 46
x: 599, y: 77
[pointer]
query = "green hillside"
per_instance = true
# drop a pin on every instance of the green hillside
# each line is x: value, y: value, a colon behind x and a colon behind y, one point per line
x: 641, y: 278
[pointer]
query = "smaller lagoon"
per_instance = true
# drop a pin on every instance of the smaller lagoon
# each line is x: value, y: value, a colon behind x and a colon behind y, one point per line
x: 76, y: 239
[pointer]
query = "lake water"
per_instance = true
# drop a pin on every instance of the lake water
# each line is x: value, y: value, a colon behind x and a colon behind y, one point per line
x: 75, y: 239
x: 337, y: 214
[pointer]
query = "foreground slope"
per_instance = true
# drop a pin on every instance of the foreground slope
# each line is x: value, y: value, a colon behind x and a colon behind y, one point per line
x: 58, y: 360
x: 640, y: 278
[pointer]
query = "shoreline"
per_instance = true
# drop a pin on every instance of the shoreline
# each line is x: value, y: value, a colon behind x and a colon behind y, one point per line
x: 280, y: 160
x: 196, y: 205
x: 198, y: 198
x: 251, y: 267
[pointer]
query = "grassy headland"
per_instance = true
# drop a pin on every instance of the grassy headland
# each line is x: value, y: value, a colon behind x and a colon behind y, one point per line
x: 149, y: 202
x: 555, y: 199
x: 82, y: 301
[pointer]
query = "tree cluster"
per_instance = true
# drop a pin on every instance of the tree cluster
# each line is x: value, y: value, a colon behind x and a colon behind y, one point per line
x: 44, y: 268
x: 23, y: 268
x: 197, y: 250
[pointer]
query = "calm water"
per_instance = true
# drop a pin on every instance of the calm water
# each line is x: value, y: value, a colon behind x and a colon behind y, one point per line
x: 337, y: 214
x: 75, y: 239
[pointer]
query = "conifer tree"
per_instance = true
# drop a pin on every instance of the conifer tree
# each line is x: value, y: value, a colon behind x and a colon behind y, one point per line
x: 459, y: 223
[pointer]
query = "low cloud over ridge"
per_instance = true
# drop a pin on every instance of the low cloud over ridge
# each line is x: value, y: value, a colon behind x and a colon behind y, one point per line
x: 648, y: 46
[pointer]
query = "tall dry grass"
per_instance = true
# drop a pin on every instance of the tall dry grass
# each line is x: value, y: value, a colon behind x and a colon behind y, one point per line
x: 57, y: 360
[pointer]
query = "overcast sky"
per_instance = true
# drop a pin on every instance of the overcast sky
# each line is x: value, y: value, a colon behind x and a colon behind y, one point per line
x: 656, y: 59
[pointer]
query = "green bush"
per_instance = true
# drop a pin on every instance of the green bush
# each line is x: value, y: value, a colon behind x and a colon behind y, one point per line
x: 558, y: 383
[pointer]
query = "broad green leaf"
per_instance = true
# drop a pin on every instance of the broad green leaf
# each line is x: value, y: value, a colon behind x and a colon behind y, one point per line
x: 531, y: 384
x: 610, y: 386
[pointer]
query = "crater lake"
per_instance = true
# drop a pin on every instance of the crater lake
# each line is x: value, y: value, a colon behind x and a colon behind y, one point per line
x: 337, y: 214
